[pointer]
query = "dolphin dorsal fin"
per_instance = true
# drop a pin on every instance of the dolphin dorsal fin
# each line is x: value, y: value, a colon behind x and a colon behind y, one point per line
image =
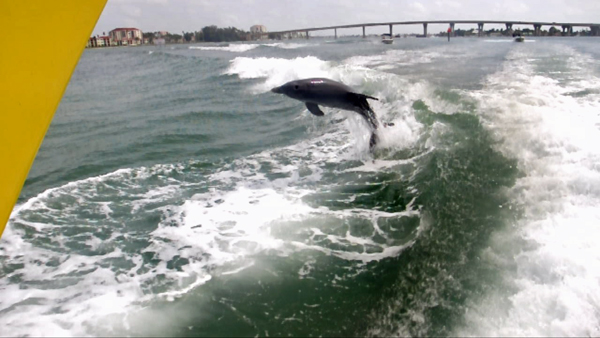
x: 314, y: 109
x: 363, y: 96
x: 368, y: 97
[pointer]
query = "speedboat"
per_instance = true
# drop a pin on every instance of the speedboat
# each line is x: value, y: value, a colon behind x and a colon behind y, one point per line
x: 387, y: 39
x: 518, y: 37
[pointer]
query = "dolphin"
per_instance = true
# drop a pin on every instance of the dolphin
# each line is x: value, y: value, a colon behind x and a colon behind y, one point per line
x: 328, y: 93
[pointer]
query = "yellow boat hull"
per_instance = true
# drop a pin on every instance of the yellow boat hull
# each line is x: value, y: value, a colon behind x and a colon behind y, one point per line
x: 41, y: 43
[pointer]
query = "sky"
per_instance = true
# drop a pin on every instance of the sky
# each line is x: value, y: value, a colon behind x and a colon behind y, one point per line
x: 176, y: 16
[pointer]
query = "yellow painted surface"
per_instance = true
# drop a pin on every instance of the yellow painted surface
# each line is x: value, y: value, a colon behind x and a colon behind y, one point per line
x: 40, y: 45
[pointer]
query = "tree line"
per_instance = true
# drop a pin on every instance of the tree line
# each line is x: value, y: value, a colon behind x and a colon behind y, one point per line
x: 206, y: 34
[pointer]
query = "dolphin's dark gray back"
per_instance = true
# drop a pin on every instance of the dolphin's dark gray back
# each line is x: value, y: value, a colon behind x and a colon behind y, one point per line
x: 335, y: 94
x: 329, y: 93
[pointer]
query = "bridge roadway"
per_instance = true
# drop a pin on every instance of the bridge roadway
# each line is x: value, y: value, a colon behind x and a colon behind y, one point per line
x: 566, y: 26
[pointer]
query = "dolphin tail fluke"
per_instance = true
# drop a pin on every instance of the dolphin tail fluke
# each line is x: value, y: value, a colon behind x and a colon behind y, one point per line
x: 373, y: 141
x: 365, y: 110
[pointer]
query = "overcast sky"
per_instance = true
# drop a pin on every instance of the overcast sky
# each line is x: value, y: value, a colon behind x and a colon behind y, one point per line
x: 191, y: 15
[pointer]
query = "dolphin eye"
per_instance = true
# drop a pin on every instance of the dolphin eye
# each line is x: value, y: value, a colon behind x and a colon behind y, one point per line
x: 296, y: 87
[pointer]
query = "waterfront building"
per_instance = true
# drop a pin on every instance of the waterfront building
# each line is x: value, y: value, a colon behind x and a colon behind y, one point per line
x: 99, y: 41
x: 126, y: 36
x: 256, y: 32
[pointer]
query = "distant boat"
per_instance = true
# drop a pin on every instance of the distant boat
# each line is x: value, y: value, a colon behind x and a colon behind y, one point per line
x: 518, y: 37
x: 387, y: 39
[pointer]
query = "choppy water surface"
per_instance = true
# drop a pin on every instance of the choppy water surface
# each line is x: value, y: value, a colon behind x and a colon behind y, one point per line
x: 174, y: 195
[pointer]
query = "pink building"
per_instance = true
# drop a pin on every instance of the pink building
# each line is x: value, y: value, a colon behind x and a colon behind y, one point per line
x: 126, y: 36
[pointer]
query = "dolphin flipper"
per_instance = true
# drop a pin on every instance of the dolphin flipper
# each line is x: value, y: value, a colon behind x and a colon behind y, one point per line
x: 314, y: 109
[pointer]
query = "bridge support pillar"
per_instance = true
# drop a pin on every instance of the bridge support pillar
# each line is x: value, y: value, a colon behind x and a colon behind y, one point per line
x: 536, y: 29
x: 391, y: 32
x: 307, y: 36
x: 335, y: 32
x: 289, y: 36
x: 452, y: 28
x: 425, y: 29
x: 567, y: 30
x: 509, y: 29
x: 594, y: 30
x: 364, y: 35
x: 480, y: 29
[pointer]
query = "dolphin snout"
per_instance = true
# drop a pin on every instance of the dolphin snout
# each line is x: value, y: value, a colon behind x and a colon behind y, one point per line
x: 276, y: 90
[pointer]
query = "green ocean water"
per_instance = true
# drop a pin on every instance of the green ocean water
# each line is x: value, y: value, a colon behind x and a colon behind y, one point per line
x: 175, y: 195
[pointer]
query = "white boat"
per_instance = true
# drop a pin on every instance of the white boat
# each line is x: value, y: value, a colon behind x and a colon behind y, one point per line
x: 387, y: 39
x: 518, y: 37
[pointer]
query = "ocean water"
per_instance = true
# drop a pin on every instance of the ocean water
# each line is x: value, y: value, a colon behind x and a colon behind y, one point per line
x: 175, y: 195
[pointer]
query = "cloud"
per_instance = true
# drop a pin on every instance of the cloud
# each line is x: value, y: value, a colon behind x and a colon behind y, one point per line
x: 417, y: 6
x: 131, y: 11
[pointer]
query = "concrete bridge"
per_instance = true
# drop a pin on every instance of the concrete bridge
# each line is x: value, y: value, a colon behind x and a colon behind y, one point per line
x: 566, y: 26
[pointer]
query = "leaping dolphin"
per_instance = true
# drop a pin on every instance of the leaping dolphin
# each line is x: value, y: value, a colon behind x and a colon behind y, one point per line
x: 333, y: 94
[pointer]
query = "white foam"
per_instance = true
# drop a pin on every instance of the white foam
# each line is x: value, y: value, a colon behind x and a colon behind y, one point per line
x: 218, y: 232
x: 283, y: 45
x: 241, y: 48
x: 278, y: 71
x: 554, y: 137
x: 237, y: 225
x: 379, y: 165
x: 397, y: 58
x: 234, y: 48
x: 65, y: 291
x: 499, y: 40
